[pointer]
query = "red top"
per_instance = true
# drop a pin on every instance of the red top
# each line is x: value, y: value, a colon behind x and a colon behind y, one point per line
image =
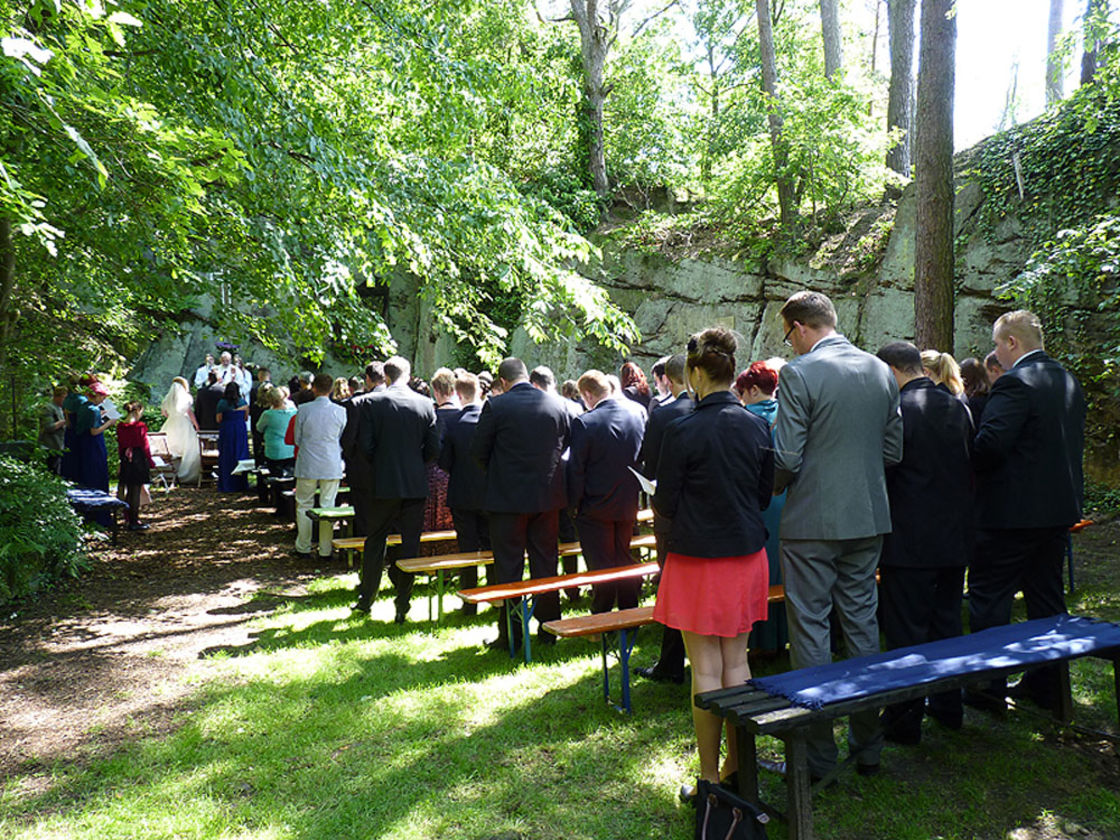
x: 134, y: 436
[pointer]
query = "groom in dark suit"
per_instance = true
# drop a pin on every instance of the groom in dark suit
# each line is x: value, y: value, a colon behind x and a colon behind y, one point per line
x: 1029, y: 485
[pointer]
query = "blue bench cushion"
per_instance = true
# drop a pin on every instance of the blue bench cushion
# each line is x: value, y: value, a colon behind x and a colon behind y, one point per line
x: 1015, y: 645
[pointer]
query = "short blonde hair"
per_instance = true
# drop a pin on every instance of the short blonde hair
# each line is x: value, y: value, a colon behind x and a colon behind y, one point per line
x: 595, y: 383
x: 1024, y: 325
x: 443, y: 381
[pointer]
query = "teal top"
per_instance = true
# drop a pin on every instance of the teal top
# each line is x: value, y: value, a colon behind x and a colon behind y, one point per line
x: 88, y: 417
x: 273, y: 424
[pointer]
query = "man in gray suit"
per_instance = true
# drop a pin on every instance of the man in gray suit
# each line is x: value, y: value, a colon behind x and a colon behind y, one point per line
x: 838, y: 427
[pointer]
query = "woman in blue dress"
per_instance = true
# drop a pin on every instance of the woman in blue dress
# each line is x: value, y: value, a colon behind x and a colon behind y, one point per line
x: 756, y: 386
x: 233, y: 439
x: 89, y: 440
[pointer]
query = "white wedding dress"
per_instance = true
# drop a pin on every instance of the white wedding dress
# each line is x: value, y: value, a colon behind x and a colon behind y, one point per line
x: 182, y: 439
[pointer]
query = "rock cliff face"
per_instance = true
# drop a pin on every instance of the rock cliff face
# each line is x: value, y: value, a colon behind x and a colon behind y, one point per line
x: 671, y: 296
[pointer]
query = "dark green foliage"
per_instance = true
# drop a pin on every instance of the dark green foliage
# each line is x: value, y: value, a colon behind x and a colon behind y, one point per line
x: 567, y: 193
x: 40, y: 535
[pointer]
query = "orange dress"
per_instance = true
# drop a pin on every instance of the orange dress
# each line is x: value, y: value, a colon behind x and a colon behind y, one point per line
x: 713, y: 596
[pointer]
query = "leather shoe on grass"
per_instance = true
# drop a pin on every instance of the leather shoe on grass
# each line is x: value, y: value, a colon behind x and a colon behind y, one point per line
x: 657, y: 675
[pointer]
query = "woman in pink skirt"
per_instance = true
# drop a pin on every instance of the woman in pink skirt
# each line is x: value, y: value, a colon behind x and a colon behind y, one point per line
x: 714, y: 478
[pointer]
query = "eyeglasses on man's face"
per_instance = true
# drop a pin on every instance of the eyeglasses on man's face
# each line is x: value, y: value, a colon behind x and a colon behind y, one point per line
x: 785, y: 340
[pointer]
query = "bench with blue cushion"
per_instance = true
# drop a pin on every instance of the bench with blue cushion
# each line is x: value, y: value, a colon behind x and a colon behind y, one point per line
x: 784, y: 705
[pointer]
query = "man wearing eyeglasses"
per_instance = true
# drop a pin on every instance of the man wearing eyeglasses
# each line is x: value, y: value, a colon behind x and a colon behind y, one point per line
x: 838, y: 428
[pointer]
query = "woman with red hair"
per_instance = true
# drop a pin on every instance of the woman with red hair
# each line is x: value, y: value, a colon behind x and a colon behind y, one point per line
x: 634, y: 384
x: 755, y: 387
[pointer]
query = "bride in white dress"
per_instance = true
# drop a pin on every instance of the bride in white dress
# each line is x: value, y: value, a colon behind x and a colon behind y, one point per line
x: 181, y: 429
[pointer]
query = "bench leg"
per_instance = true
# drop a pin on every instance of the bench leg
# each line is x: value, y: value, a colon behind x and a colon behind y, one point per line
x: 800, y: 808
x: 1064, y: 711
x: 527, y: 605
x: 439, y: 599
x: 606, y: 669
x: 748, y: 765
x: 625, y: 645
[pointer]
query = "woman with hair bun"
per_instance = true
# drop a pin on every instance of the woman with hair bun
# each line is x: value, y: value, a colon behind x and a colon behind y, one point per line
x: 714, y: 478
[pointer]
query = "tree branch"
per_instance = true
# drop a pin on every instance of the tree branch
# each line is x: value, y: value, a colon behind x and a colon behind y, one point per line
x: 652, y: 17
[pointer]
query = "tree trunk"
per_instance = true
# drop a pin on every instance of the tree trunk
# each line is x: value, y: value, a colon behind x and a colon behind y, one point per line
x: 774, y: 117
x: 1054, y: 90
x: 933, y: 152
x: 830, y: 30
x: 900, y: 23
x: 7, y: 288
x: 1096, y: 11
x: 595, y: 41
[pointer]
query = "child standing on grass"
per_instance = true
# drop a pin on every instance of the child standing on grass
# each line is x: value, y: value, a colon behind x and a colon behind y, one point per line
x: 136, y: 461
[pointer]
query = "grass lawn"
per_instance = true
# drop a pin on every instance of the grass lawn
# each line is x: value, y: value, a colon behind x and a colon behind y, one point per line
x: 335, y: 726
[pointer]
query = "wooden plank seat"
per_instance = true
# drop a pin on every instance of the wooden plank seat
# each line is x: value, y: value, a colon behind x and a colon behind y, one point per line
x: 755, y: 712
x: 524, y: 592
x: 621, y: 621
x: 436, y: 566
x: 351, y: 545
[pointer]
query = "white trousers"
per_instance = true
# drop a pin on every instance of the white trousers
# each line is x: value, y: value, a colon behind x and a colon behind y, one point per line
x: 305, y: 500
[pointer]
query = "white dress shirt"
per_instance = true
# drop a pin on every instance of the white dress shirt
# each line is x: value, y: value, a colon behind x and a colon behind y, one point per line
x: 317, y: 433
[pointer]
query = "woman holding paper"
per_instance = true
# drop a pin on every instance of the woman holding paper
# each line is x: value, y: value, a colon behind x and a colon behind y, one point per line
x: 89, y: 440
x: 715, y: 462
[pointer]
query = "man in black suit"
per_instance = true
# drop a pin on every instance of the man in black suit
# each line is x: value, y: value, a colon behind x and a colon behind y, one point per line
x: 397, y: 433
x: 922, y: 565
x: 466, y: 485
x: 358, y: 475
x: 519, y: 439
x: 1029, y: 485
x: 669, y: 666
x: 601, y: 489
x: 206, y: 402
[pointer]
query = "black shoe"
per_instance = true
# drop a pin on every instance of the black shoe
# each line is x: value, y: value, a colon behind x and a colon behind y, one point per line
x: 138, y: 527
x: 362, y: 606
x: 545, y: 639
x: 902, y: 737
x: 657, y: 675
x: 1020, y: 692
x: 985, y: 702
x: 400, y: 617
x: 501, y: 644
x: 688, y: 794
x: 868, y: 769
x: 948, y: 719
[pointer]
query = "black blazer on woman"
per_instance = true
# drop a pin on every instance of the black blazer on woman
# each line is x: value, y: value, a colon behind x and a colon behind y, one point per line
x: 714, y: 478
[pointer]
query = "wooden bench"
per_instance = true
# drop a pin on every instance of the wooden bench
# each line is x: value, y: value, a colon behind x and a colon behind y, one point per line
x: 524, y: 592
x: 621, y: 621
x: 755, y: 712
x: 436, y: 566
x: 350, y: 545
x: 343, y: 514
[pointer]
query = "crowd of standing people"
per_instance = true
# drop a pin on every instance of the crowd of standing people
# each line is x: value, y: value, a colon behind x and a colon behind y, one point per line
x: 819, y: 474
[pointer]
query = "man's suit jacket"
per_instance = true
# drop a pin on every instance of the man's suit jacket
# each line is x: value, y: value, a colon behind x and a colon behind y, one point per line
x: 930, y: 489
x: 1027, y: 453
x: 359, y: 474
x: 605, y: 443
x: 397, y: 433
x: 838, y: 427
x: 466, y: 485
x: 206, y: 406
x: 520, y: 437
x: 655, y: 431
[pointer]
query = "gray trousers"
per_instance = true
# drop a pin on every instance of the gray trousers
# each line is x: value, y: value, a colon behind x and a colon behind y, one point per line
x: 819, y: 574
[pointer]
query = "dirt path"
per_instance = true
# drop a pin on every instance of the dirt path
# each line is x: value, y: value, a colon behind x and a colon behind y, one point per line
x: 112, y: 656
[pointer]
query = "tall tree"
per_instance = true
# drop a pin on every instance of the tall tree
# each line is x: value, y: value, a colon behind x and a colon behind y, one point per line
x: 598, y: 31
x: 933, y: 152
x: 830, y: 30
x: 900, y: 22
x: 773, y: 113
x: 1095, y: 23
x: 1053, y: 58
